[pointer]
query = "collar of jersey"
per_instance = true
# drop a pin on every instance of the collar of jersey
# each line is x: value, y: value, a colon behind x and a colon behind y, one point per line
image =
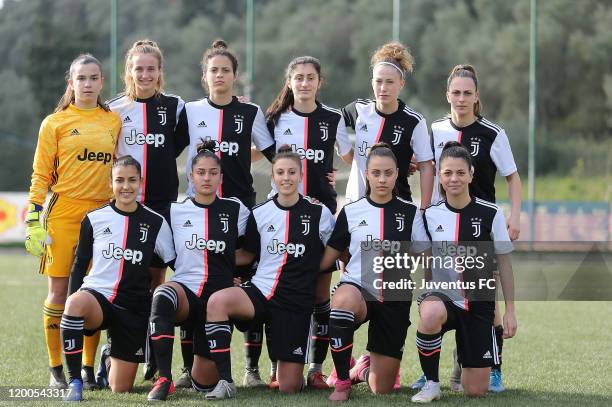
x: 286, y: 208
x: 221, y: 107
x: 400, y: 108
x: 120, y: 212
x: 371, y: 202
x: 199, y: 205
x: 454, y: 126
x: 306, y: 114
x: 149, y: 99
x: 79, y: 110
x: 450, y: 208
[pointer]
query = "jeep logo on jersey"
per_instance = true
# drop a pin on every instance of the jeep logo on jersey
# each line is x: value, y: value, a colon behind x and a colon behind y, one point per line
x: 294, y: 249
x: 474, y: 146
x: 476, y: 226
x: 324, y: 130
x: 224, y: 219
x: 238, y: 120
x: 105, y: 158
x: 397, y: 134
x: 305, y: 221
x: 144, y: 232
x: 116, y: 252
x: 228, y: 147
x: 309, y: 154
x: 198, y: 243
x: 141, y: 138
x: 371, y: 243
x: 399, y: 218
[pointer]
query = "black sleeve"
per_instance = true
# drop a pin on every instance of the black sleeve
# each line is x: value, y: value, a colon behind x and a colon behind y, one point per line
x: 340, y: 237
x: 181, y: 133
x: 83, y: 256
x: 349, y: 112
x: 269, y: 152
x: 251, y: 242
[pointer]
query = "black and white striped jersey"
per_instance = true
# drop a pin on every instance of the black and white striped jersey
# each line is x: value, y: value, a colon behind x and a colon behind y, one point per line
x: 364, y: 224
x: 205, y: 240
x: 148, y: 134
x: 481, y: 226
x: 290, y: 242
x: 313, y: 136
x: 121, y: 246
x: 232, y: 127
x: 405, y: 131
x: 490, y: 149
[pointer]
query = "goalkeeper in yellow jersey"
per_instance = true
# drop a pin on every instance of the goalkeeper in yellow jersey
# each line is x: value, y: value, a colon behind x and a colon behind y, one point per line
x: 73, y: 159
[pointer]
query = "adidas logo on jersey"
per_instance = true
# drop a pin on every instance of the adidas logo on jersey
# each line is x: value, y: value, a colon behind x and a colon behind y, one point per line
x: 439, y: 228
x: 210, y: 245
x: 363, y: 223
x: 139, y: 352
x: 271, y: 228
x: 187, y: 224
x: 364, y: 127
x: 441, y: 144
x: 202, y: 124
x: 487, y: 355
x: 127, y: 119
x: 116, y: 252
x: 74, y: 132
x: 288, y: 133
x: 107, y: 231
x: 298, y: 351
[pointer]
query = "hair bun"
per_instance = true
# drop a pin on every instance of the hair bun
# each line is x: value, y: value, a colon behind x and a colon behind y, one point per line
x: 380, y: 144
x: 450, y: 144
x: 208, y: 145
x: 219, y: 44
x: 285, y: 148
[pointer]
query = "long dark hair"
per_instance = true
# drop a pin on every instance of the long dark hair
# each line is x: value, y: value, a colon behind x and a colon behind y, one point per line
x: 380, y: 149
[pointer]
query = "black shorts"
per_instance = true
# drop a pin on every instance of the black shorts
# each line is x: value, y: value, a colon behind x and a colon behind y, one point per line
x: 289, y: 329
x: 474, y: 334
x: 196, y: 321
x: 163, y: 208
x: 127, y: 327
x: 389, y: 323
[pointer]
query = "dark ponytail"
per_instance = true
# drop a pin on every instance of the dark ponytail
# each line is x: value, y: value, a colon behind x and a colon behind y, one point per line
x: 285, y: 151
x: 466, y: 71
x: 380, y: 149
x: 206, y: 149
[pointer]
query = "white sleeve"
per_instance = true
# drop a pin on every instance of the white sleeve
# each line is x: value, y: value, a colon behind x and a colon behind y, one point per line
x: 419, y: 238
x: 180, y: 105
x: 421, y: 143
x: 326, y: 225
x: 243, y: 217
x: 342, y: 139
x: 501, y: 154
x: 164, y: 245
x: 261, y: 135
x: 499, y: 233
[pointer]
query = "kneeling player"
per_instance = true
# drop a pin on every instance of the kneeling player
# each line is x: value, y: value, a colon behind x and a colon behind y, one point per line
x: 120, y: 239
x: 465, y: 308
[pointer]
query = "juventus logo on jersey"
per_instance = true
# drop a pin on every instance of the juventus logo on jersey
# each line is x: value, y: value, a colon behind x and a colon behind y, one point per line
x: 69, y: 344
x: 144, y: 232
x: 400, y: 218
x: 224, y: 219
x: 397, y: 134
x: 476, y: 226
x: 363, y: 148
x: 474, y: 146
x: 162, y: 117
x: 305, y: 221
x: 324, y: 130
x: 238, y: 120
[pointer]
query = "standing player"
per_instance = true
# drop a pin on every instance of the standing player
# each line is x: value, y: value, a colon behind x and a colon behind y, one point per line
x: 119, y: 239
x: 459, y: 220
x: 289, y: 233
x: 206, y: 231
x: 233, y: 126
x: 388, y: 119
x: 73, y: 158
x: 490, y: 150
x: 312, y: 129
x: 379, y: 218
x: 149, y: 118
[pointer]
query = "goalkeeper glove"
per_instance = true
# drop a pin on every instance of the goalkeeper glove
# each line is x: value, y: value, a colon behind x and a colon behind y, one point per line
x: 36, y: 235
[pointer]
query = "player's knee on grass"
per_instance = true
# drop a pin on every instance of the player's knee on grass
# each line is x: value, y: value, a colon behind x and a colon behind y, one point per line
x: 121, y: 387
x: 475, y: 381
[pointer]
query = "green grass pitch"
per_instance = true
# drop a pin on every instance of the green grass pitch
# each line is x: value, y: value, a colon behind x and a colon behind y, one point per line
x: 560, y: 357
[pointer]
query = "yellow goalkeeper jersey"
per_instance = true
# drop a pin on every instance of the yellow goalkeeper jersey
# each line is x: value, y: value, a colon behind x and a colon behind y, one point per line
x: 74, y: 154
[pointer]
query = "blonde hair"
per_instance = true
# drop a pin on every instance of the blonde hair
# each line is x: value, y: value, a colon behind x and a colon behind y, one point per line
x: 396, y: 54
x: 465, y: 71
x: 68, y: 96
x: 145, y: 46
